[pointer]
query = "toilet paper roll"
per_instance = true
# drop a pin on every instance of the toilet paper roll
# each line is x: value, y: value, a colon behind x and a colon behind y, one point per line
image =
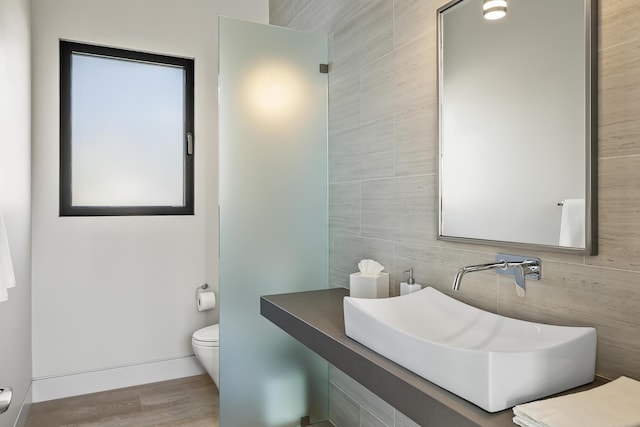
x: 206, y: 301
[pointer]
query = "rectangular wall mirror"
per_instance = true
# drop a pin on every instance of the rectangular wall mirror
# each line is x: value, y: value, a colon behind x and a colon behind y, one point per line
x: 517, y: 110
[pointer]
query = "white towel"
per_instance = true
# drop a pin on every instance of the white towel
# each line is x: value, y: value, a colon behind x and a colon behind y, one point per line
x: 7, y: 277
x: 611, y: 405
x: 572, y: 224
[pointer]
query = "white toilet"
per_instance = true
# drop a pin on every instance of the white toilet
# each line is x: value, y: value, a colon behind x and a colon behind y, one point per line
x: 206, y: 346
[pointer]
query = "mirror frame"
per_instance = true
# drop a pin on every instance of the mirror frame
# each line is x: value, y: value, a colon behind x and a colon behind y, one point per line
x: 591, y: 139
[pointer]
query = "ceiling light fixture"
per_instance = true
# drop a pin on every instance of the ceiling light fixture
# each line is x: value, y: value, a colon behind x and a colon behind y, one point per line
x: 494, y: 9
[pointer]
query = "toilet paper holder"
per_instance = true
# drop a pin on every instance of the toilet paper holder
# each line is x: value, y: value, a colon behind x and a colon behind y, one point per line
x: 200, y: 289
x: 205, y: 298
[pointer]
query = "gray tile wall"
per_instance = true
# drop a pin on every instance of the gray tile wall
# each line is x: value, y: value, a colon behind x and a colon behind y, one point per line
x: 352, y: 405
x: 383, y: 174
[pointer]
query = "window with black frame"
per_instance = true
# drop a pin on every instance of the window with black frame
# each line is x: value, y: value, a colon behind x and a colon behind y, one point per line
x: 126, y: 132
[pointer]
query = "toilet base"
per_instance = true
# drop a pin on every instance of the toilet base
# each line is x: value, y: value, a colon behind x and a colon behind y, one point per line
x: 209, y: 358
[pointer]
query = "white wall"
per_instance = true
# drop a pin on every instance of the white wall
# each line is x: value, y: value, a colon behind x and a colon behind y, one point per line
x: 117, y: 291
x: 15, y: 199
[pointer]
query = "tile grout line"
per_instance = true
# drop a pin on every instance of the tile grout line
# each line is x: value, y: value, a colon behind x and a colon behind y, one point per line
x: 613, y: 46
x: 619, y: 157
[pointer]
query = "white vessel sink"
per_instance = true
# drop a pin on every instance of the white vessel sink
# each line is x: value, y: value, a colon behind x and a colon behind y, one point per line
x: 492, y: 361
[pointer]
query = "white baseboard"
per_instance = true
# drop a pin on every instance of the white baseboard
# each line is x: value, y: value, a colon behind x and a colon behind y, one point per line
x: 58, y: 387
x: 23, y: 413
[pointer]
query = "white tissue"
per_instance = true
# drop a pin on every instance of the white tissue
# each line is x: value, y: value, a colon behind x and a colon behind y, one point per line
x: 370, y: 268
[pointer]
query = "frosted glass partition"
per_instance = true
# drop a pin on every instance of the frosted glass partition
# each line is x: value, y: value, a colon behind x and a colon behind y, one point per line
x: 273, y: 218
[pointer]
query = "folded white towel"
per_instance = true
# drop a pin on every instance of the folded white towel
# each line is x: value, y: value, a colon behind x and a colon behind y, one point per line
x: 611, y: 405
x: 572, y: 226
x: 7, y: 277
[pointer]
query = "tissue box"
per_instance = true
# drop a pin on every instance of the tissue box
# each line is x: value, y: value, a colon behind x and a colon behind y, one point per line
x: 369, y: 287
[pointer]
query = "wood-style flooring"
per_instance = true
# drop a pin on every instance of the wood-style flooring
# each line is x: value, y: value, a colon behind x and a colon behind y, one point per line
x: 187, y: 402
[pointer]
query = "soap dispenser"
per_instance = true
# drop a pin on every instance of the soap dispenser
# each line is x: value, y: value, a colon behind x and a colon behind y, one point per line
x: 410, y: 285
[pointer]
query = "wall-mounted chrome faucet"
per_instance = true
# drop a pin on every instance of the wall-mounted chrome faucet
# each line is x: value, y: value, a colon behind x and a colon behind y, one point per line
x: 520, y: 267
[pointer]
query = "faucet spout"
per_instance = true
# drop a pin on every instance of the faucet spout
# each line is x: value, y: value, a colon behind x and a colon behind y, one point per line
x: 520, y: 267
x: 502, y: 264
x: 458, y: 279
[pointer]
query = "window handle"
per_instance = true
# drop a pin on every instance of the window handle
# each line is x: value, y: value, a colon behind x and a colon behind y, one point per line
x: 189, y: 143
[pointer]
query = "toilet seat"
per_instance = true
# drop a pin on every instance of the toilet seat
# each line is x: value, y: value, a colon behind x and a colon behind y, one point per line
x: 209, y: 336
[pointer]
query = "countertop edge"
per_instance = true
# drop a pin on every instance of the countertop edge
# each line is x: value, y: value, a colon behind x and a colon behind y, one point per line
x: 417, y: 398
x: 316, y: 319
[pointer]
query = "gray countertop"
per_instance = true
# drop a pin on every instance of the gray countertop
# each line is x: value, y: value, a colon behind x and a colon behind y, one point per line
x: 316, y: 319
